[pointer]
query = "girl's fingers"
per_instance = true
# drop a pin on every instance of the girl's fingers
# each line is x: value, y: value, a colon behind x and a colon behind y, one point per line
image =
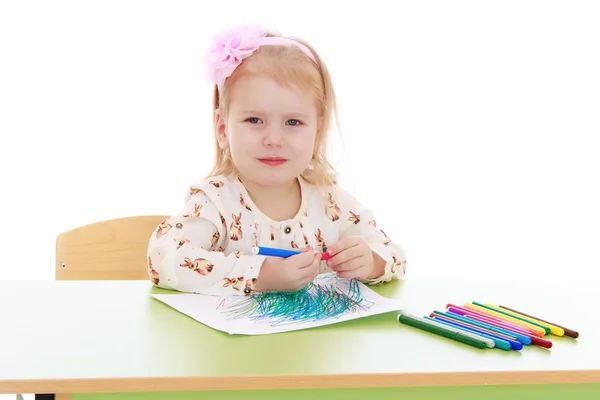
x: 350, y: 265
x: 353, y: 274
x: 345, y: 256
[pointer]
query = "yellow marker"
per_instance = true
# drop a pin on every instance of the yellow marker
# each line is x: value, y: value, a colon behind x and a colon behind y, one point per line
x: 529, y: 327
x: 555, y: 330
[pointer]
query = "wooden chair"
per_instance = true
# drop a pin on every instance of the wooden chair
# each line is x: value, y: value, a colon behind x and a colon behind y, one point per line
x: 106, y: 250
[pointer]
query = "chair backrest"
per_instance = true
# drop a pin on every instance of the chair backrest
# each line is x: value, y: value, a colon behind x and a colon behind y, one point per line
x: 107, y: 250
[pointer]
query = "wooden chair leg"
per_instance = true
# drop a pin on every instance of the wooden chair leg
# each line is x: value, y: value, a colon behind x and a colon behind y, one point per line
x: 49, y: 396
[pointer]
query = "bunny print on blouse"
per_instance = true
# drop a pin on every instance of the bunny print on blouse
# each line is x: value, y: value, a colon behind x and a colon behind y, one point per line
x: 207, y: 248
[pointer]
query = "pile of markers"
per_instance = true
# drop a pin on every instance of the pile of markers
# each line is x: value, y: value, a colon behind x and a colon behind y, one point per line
x: 488, y: 326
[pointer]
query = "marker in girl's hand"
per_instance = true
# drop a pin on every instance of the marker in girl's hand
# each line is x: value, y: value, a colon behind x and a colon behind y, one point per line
x: 271, y: 251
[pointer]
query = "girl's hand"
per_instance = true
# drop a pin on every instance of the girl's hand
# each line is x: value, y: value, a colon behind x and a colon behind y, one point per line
x: 288, y: 274
x: 352, y: 257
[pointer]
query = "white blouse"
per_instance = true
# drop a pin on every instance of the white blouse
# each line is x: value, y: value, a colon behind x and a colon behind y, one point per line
x: 207, y: 248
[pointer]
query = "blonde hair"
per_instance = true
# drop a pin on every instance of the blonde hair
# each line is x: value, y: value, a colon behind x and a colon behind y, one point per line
x: 286, y: 65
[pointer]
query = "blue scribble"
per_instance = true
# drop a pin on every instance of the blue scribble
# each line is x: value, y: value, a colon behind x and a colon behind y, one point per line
x: 315, y: 302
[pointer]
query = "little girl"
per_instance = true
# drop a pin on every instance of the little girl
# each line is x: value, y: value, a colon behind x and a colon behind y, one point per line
x: 271, y: 184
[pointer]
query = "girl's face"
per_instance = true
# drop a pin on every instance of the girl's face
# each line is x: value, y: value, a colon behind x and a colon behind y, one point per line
x: 270, y: 131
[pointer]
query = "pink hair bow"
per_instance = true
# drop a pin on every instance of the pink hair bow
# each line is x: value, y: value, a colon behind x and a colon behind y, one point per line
x: 230, y: 47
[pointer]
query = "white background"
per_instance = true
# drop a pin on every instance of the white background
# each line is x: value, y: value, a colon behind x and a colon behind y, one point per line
x: 473, y: 126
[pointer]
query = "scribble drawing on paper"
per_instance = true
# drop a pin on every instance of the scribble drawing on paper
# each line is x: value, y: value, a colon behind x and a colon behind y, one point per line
x: 327, y: 300
x: 315, y: 303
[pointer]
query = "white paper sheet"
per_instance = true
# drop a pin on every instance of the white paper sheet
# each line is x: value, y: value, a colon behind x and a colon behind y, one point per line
x: 328, y: 300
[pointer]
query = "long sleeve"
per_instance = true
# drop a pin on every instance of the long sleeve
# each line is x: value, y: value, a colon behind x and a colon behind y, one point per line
x: 186, y: 253
x: 356, y: 219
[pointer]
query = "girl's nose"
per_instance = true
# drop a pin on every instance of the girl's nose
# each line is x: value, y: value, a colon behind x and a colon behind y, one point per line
x: 273, y: 137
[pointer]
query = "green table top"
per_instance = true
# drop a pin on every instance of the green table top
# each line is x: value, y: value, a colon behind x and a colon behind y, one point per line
x: 101, y: 335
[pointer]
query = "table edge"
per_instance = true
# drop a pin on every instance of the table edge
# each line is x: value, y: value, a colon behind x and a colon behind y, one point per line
x: 309, y: 381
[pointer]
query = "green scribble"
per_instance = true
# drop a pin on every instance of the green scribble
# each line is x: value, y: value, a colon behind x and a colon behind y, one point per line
x: 315, y: 302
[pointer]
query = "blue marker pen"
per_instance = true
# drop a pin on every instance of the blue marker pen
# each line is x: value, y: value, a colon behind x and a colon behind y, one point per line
x: 270, y: 251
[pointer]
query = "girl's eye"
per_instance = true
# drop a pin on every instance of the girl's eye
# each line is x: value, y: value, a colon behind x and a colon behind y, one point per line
x: 292, y: 122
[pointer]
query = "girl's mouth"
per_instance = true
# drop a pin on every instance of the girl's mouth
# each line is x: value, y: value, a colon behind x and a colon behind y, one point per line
x: 272, y: 161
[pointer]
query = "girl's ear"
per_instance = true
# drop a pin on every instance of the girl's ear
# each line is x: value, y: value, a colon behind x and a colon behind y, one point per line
x: 221, y: 130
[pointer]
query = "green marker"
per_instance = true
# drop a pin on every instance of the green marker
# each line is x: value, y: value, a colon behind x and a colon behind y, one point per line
x: 422, y: 323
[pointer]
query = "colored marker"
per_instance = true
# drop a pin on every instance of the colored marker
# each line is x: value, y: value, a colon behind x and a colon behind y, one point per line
x: 274, y: 252
x: 520, y: 338
x: 489, y: 342
x: 538, y: 331
x: 463, y: 329
x: 503, y: 325
x: 505, y: 314
x: 567, y: 332
x: 509, y: 341
x: 535, y: 330
x: 533, y: 339
x: 556, y: 331
x: 498, y: 342
x: 481, y: 314
x: 423, y: 324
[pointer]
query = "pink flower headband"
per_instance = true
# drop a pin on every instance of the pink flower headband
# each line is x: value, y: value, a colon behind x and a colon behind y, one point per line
x: 229, y: 48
